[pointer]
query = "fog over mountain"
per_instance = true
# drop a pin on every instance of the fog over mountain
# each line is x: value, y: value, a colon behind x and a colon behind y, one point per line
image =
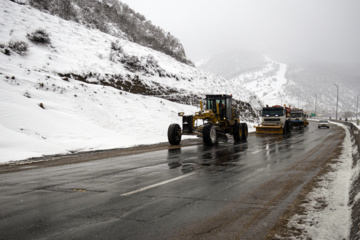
x: 229, y: 64
x: 325, y: 33
x: 300, y: 84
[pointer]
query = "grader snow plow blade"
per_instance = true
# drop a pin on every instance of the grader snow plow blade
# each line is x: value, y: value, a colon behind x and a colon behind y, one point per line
x: 269, y: 129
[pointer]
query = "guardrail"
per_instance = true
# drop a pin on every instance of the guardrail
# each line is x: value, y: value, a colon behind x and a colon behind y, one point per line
x: 354, y: 202
x: 354, y: 131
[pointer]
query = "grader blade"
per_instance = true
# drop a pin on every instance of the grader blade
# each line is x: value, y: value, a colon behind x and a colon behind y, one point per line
x: 269, y: 129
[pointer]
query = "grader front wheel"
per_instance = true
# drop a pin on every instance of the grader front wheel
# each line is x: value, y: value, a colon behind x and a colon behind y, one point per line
x: 245, y: 132
x: 174, y: 134
x: 209, y: 135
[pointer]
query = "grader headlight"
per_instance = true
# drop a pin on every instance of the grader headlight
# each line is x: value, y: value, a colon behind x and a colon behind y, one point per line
x: 180, y: 114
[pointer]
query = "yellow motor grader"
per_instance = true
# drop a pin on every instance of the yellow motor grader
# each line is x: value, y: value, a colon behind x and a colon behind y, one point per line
x: 219, y: 119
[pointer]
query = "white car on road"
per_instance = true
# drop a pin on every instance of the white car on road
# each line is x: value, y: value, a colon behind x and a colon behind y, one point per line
x: 323, y: 123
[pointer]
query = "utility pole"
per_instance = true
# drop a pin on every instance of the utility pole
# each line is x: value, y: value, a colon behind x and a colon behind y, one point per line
x: 315, y: 104
x: 337, y: 99
x: 298, y: 102
x: 357, y: 107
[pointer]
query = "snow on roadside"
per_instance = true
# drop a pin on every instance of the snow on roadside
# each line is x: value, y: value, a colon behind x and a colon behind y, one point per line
x: 77, y: 117
x: 328, y: 215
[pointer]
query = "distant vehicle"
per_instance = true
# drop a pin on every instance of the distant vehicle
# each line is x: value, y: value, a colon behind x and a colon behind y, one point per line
x: 323, y: 123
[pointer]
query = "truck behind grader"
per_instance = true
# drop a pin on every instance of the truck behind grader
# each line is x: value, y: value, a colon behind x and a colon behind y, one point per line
x: 219, y: 119
x: 275, y: 120
x: 298, y: 118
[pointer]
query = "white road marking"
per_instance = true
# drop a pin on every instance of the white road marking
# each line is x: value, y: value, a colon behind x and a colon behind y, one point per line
x: 156, y: 185
x: 257, y: 151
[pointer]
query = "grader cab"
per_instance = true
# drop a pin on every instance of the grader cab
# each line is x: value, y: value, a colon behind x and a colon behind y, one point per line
x: 218, y: 119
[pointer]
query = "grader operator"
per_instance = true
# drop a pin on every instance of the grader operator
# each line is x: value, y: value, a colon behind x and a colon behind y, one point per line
x: 219, y: 119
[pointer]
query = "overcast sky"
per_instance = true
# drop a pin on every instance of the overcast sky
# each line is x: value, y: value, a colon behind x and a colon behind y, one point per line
x: 313, y: 30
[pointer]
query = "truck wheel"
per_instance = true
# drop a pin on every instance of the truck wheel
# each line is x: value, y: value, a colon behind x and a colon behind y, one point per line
x: 237, y: 132
x: 287, y: 128
x: 245, y: 131
x: 174, y: 134
x: 209, y: 135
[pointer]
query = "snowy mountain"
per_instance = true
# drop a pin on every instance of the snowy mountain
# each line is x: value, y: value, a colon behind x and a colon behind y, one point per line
x: 297, y: 85
x: 65, y: 87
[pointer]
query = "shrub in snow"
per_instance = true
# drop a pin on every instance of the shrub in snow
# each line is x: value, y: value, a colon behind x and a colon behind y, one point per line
x: 134, y: 63
x: 151, y: 61
x: 116, y: 52
x: 41, y: 4
x: 41, y: 105
x: 64, y: 9
x: 21, y: 2
x: 116, y: 46
x: 19, y: 47
x: 27, y: 94
x: 39, y: 36
x: 4, y: 49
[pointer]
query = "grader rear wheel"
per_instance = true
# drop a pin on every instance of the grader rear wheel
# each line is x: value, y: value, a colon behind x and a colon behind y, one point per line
x: 237, y: 132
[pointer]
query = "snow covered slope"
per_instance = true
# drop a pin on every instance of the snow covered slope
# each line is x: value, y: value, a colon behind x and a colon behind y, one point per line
x: 76, y: 93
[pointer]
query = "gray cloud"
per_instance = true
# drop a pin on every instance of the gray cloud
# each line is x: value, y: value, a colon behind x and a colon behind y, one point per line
x: 315, y: 31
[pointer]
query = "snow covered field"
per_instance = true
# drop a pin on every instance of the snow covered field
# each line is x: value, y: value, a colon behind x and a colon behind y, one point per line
x: 77, y: 117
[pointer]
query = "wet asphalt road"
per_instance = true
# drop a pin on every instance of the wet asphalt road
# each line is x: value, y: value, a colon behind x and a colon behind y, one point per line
x: 229, y: 191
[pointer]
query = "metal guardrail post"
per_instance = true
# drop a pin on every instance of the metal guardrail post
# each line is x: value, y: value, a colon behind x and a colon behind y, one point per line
x: 356, y: 133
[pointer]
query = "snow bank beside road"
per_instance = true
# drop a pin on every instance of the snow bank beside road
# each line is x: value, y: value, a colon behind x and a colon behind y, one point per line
x: 328, y: 214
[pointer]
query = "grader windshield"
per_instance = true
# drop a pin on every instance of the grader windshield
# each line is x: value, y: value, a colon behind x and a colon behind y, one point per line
x: 224, y: 102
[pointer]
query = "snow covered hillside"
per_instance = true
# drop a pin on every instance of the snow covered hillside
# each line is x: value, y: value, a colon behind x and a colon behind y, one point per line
x: 76, y: 92
x: 280, y: 83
